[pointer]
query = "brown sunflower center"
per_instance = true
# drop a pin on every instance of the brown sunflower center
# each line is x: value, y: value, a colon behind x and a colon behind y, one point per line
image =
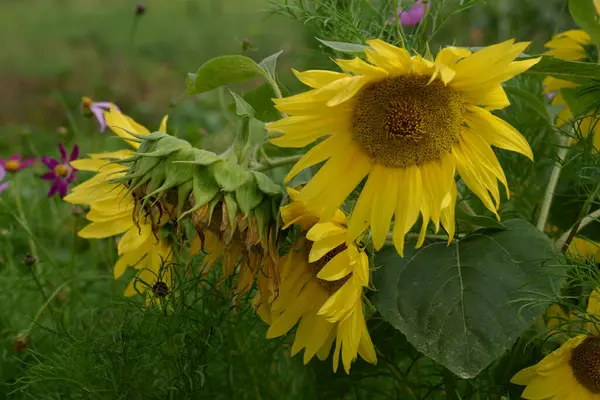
x: 317, y: 266
x: 585, y: 363
x: 404, y: 121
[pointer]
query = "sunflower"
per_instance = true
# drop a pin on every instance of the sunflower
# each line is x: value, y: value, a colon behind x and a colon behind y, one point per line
x: 407, y: 123
x: 569, y: 45
x: 321, y: 289
x: 571, y: 372
x: 113, y: 212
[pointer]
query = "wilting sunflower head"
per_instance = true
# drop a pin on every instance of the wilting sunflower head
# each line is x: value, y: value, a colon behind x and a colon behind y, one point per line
x: 572, y: 371
x: 569, y: 45
x: 321, y: 289
x: 407, y: 124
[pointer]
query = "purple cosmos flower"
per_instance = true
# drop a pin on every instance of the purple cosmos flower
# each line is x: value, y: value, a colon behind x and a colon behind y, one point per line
x: 97, y: 109
x: 4, y: 185
x: 16, y: 163
x: 413, y: 15
x: 61, y: 172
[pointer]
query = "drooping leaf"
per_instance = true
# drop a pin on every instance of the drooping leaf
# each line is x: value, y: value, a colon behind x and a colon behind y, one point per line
x: 584, y: 14
x: 343, y: 47
x: 222, y: 70
x: 464, y: 304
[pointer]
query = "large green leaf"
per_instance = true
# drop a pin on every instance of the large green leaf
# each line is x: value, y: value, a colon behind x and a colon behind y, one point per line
x: 463, y: 305
x: 222, y: 70
x: 584, y: 14
x: 575, y: 71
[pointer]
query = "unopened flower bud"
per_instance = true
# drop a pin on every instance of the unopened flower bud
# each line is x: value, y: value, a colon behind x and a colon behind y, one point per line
x: 62, y: 131
x: 20, y: 343
x: 247, y: 44
x: 140, y: 9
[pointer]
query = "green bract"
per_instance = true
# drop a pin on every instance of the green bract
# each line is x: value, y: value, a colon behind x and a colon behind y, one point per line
x: 169, y: 170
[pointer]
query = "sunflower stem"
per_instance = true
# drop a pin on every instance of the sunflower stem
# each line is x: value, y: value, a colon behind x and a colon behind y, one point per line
x: 270, y: 163
x: 554, y: 176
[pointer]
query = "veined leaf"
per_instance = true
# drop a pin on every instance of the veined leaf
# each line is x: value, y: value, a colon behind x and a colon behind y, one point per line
x: 464, y: 304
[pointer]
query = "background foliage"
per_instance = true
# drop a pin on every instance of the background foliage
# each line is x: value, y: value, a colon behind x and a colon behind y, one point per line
x: 85, y: 339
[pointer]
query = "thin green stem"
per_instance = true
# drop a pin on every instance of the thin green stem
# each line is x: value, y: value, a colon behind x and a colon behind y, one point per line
x: 554, y: 176
x: 271, y: 163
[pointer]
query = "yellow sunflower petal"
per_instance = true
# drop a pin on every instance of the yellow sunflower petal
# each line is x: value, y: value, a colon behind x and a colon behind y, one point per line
x: 319, y: 153
x: 337, y: 268
x: 316, y: 79
x: 326, y: 192
x: 384, y: 202
x: 101, y: 230
x: 359, y: 67
x: 497, y: 132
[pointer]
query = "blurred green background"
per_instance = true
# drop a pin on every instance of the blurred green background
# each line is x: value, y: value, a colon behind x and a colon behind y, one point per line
x: 52, y: 53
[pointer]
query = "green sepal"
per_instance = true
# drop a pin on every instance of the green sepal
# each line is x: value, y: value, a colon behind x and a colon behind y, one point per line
x: 151, y: 137
x: 183, y: 192
x: 265, y: 184
x: 140, y: 173
x: 167, y: 146
x: 263, y: 214
x: 176, y: 174
x: 201, y: 157
x: 157, y: 177
x: 232, y: 208
x: 212, y: 204
x: 204, y: 188
x: 228, y: 175
x: 248, y: 195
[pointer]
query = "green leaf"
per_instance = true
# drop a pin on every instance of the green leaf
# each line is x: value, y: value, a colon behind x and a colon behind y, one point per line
x: 270, y: 63
x: 242, y: 108
x: 261, y: 100
x: 534, y: 102
x: 248, y: 196
x: 229, y: 176
x: 584, y: 14
x: 257, y: 134
x: 479, y: 220
x: 222, y: 70
x: 574, y: 71
x: 464, y: 304
x: 343, y: 47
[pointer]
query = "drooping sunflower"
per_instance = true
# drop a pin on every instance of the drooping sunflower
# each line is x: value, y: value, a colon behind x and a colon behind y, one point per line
x: 571, y: 372
x: 321, y: 290
x: 569, y: 45
x: 407, y: 123
x: 113, y: 212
